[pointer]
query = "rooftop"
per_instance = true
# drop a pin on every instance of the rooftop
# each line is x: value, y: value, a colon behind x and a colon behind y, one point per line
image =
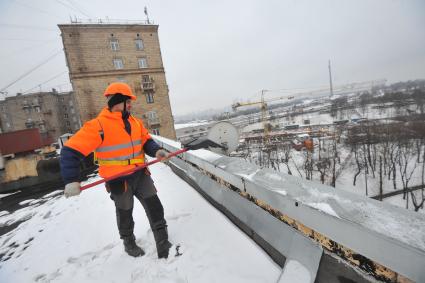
x: 268, y: 227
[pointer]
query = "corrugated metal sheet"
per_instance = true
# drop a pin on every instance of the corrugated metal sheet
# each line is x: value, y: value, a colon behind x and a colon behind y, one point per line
x: 20, y: 141
x: 47, y: 140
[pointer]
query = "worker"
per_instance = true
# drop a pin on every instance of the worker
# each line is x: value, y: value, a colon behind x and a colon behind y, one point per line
x: 119, y: 141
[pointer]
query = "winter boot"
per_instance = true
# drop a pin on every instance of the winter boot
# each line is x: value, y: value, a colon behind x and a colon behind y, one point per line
x: 131, y: 248
x: 161, y: 238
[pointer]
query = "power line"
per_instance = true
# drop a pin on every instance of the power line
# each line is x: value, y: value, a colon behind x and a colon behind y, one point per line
x: 31, y: 70
x: 78, y: 7
x: 33, y: 8
x: 32, y: 47
x: 26, y: 39
x: 26, y: 27
x: 70, y: 7
x: 51, y: 79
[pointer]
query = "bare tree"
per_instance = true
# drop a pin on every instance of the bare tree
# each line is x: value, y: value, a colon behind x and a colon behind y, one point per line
x: 380, y: 179
x: 335, y: 156
x: 308, y: 165
x: 286, y: 149
x: 418, y: 204
x: 359, y: 166
x: 404, y: 159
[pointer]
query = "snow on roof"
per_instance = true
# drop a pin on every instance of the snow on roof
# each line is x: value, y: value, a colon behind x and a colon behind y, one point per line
x: 206, y: 154
x: 167, y: 141
x: 295, y: 272
x: 191, y: 124
x: 385, y: 219
x: 76, y: 240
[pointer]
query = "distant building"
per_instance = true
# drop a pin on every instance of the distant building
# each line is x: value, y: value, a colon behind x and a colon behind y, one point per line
x: 52, y: 113
x: 190, y: 131
x: 99, y: 54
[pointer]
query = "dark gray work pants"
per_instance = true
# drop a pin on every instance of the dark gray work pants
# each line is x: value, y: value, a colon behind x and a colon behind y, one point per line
x: 141, y: 186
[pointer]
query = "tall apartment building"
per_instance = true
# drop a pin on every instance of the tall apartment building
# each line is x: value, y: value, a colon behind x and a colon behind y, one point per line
x: 52, y: 113
x: 99, y: 54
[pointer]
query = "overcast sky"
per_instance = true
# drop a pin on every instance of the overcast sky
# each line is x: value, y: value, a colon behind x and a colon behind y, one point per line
x: 218, y: 52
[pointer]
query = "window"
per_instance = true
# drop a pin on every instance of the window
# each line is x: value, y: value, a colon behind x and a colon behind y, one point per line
x: 65, y: 115
x: 71, y: 103
x: 121, y: 79
x: 68, y: 124
x: 72, y: 110
x: 139, y: 44
x: 27, y: 110
x: 149, y: 97
x: 151, y: 115
x: 29, y: 123
x: 143, y: 63
x: 8, y: 124
x: 118, y: 64
x: 37, y: 109
x: 155, y: 132
x: 114, y: 45
x: 64, y: 108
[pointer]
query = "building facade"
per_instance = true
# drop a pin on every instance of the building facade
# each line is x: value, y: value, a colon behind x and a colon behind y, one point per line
x: 99, y: 54
x: 52, y: 113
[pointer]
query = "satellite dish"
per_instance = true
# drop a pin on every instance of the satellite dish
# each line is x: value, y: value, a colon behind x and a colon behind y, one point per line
x: 224, y: 133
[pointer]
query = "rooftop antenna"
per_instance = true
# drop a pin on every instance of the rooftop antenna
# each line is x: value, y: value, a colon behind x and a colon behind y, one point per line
x: 3, y: 95
x: 147, y: 16
x: 330, y: 79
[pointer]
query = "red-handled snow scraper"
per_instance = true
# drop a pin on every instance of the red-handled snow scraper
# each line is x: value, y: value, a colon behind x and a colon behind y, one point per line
x: 192, y: 145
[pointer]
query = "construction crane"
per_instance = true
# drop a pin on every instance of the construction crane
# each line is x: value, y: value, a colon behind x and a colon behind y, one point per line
x: 263, y: 107
x: 316, y: 93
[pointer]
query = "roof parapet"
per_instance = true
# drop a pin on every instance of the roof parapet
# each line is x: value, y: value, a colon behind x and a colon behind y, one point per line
x: 108, y: 21
x: 385, y: 241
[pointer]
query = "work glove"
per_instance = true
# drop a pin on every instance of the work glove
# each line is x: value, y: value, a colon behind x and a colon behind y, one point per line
x: 72, y: 189
x: 161, y: 155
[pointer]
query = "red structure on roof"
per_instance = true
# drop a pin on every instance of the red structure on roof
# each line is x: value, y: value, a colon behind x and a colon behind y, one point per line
x: 22, y: 141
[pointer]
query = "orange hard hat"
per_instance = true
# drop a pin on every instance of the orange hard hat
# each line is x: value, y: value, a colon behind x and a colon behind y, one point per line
x: 122, y: 88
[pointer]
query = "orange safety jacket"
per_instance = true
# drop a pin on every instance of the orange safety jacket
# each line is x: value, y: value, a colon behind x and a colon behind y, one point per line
x: 114, y: 149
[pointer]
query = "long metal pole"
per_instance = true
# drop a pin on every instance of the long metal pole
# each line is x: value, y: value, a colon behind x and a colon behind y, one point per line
x: 129, y: 171
x: 330, y: 78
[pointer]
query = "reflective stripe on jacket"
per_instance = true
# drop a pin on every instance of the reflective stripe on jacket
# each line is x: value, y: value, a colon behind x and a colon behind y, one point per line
x: 118, y: 151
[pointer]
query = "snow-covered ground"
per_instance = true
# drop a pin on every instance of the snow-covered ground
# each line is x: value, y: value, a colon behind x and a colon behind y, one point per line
x: 76, y: 240
x: 191, y: 124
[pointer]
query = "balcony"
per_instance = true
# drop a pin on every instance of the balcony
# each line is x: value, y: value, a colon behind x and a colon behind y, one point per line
x: 148, y: 86
x: 147, y: 83
x: 29, y: 124
x: 152, y: 122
